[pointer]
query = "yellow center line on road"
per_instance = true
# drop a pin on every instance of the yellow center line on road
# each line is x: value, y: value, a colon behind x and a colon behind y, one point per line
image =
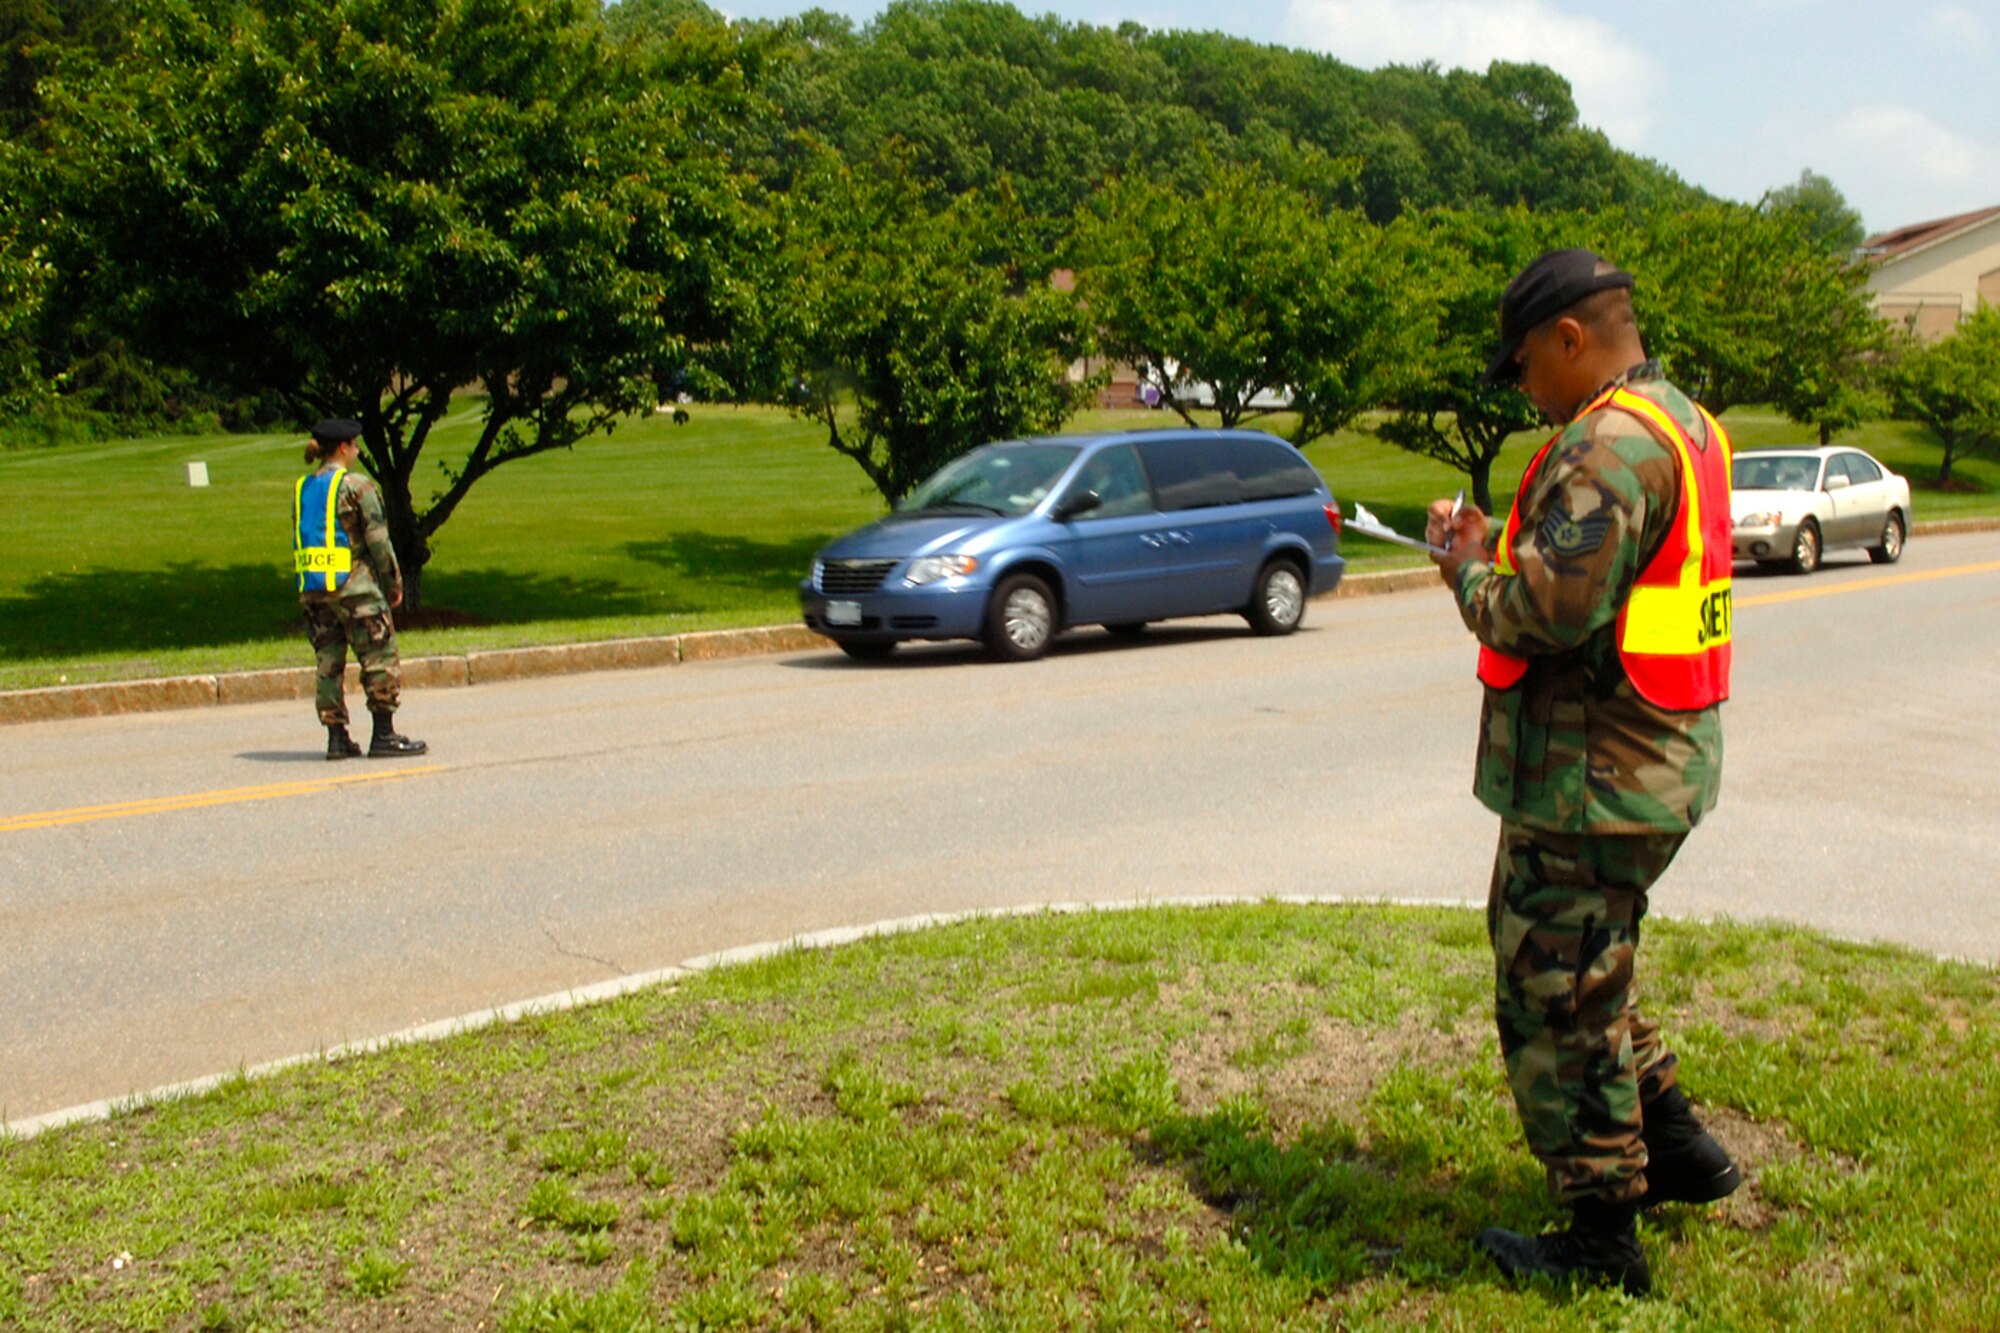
x: 1857, y: 585
x: 198, y: 800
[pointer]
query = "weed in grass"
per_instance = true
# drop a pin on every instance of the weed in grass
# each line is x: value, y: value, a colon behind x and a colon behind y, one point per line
x: 594, y: 1248
x: 577, y: 1154
x: 556, y: 1203
x: 376, y: 1274
x: 626, y: 1306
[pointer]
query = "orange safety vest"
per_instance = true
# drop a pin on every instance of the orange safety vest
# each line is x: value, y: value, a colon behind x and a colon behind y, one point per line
x: 1674, y: 629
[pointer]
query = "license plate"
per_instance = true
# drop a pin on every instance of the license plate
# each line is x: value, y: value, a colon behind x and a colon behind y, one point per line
x: 843, y: 613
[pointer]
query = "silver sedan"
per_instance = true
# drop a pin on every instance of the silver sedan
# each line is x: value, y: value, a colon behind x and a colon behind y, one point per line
x: 1791, y: 506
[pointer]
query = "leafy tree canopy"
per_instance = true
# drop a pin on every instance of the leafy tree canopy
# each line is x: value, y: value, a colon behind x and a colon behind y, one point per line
x: 1952, y: 387
x: 912, y: 331
x: 980, y: 91
x: 1248, y: 288
x: 1828, y: 218
x: 367, y: 204
x: 1461, y: 262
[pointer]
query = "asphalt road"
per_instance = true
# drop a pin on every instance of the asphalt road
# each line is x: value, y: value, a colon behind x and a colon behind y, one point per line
x: 184, y: 893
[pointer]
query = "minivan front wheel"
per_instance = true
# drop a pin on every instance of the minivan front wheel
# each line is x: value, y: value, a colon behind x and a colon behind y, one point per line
x: 1278, y: 602
x: 1021, y: 619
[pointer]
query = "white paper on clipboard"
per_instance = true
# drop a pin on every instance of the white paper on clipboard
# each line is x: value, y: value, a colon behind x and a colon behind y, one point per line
x: 1367, y: 524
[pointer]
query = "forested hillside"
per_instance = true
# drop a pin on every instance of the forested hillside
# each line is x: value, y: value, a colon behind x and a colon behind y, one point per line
x: 979, y: 90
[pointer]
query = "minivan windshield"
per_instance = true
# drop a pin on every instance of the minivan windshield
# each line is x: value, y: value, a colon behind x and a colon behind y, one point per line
x: 1005, y: 479
x: 1774, y: 472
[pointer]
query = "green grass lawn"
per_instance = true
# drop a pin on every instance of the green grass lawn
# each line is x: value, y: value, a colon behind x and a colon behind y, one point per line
x: 111, y: 567
x: 1256, y: 1118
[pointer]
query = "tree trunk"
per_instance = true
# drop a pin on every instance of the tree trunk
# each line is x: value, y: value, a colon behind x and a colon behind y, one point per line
x: 1481, y: 472
x: 407, y: 536
x: 1944, y: 469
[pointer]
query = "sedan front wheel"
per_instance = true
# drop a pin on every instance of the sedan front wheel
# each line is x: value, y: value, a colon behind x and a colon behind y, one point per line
x: 1805, y: 548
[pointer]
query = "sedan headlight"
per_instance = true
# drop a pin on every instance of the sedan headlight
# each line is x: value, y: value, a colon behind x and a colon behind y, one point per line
x: 931, y: 568
x: 1768, y: 518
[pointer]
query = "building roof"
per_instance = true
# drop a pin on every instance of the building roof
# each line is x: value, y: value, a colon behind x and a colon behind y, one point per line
x: 1901, y: 241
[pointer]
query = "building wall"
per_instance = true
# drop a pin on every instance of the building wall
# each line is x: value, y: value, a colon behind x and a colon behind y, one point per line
x: 1935, y: 287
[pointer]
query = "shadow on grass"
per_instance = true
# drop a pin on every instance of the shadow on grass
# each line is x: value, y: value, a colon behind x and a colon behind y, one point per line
x: 736, y: 562
x: 186, y: 605
x: 1326, y: 1212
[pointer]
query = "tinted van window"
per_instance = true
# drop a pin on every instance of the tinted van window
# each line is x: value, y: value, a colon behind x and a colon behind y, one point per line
x: 1114, y: 474
x: 1191, y: 474
x: 1269, y: 470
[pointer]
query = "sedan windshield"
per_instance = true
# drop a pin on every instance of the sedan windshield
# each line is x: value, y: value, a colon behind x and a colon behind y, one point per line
x: 1774, y: 472
x: 1001, y: 479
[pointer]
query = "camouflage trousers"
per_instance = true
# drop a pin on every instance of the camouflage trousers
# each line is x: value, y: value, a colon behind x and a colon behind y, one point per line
x: 334, y: 627
x: 1563, y: 915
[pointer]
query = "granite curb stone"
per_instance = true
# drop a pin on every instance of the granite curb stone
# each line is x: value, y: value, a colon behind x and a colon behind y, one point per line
x: 56, y: 702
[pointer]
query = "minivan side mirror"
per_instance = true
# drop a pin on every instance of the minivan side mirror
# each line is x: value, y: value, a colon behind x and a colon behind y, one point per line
x: 1835, y: 483
x: 1079, y: 502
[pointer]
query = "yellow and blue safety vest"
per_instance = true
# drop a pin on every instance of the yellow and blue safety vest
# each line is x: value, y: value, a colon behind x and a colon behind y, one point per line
x: 321, y: 554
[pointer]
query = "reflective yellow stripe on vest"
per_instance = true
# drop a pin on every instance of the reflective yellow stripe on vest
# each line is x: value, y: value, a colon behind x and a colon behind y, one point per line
x: 329, y: 563
x: 1689, y: 616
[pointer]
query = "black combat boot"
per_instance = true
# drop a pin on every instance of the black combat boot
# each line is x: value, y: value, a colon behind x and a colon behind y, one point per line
x: 1600, y: 1247
x: 386, y: 744
x: 340, y: 745
x: 1684, y: 1163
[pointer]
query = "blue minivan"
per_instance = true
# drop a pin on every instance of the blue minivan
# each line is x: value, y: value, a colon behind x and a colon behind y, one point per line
x: 1014, y: 542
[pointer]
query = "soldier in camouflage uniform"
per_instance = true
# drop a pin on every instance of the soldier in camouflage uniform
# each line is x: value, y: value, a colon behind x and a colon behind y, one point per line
x: 356, y: 614
x: 1596, y: 786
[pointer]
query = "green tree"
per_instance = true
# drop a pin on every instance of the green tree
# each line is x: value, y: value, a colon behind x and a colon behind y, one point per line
x: 33, y: 36
x: 367, y: 205
x: 1744, y: 305
x: 1249, y: 289
x: 1952, y: 387
x: 1460, y: 264
x: 23, y: 278
x: 1829, y: 220
x: 912, y: 330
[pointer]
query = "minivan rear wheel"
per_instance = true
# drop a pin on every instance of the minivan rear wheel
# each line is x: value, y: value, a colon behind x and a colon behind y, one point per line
x: 1021, y: 619
x: 1278, y: 601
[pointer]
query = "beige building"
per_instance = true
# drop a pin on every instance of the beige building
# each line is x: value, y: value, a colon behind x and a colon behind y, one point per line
x: 1930, y: 275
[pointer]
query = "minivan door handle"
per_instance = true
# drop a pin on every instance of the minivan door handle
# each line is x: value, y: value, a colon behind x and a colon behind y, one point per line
x: 1152, y: 539
x: 1180, y: 538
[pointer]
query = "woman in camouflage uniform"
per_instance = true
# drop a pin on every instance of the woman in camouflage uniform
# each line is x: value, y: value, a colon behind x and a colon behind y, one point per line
x: 348, y: 581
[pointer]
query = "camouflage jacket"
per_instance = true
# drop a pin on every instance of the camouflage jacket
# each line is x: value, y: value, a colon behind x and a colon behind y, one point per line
x: 1574, y: 748
x: 375, y: 579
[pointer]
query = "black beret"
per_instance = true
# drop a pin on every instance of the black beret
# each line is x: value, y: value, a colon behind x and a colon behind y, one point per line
x: 1553, y: 283
x: 334, y: 430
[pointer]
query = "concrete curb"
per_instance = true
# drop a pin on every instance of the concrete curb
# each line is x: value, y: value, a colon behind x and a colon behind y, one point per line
x: 57, y: 702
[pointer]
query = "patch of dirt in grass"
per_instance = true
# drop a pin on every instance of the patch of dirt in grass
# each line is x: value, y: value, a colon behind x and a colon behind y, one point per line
x: 1334, y: 1071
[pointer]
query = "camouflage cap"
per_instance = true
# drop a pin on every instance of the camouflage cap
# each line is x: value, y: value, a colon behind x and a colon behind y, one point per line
x: 1551, y: 284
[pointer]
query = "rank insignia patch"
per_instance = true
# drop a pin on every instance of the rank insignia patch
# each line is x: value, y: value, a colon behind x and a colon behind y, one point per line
x: 1569, y: 537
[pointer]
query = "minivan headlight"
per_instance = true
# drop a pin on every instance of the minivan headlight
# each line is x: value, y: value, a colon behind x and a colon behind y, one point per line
x: 931, y: 568
x: 1769, y: 518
